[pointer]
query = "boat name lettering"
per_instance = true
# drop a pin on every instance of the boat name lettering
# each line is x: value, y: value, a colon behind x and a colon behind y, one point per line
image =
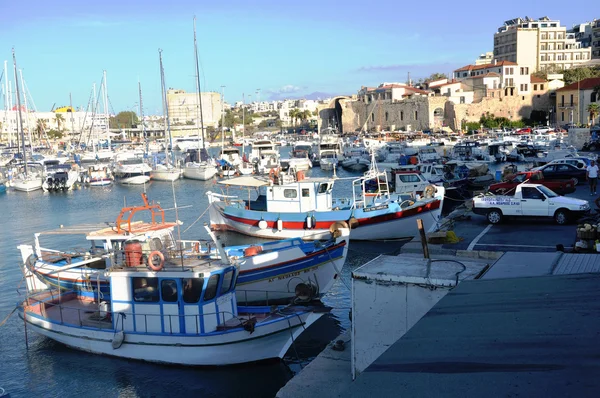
x: 380, y: 207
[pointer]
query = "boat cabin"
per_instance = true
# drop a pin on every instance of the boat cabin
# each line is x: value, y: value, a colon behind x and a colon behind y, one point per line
x: 407, y: 181
x: 285, y: 195
x: 195, y: 300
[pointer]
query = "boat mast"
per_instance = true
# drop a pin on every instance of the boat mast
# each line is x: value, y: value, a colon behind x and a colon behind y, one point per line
x: 106, y: 111
x: 166, y: 124
x: 72, y: 118
x: 142, y: 116
x: 198, y: 90
x: 7, y: 104
x: 222, y: 118
x: 19, y: 110
x: 26, y: 113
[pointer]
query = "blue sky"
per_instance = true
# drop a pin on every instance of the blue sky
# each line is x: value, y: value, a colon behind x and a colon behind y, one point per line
x: 284, y: 49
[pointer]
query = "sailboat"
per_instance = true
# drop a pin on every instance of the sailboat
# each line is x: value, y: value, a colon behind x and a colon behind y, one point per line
x: 166, y: 171
x: 29, y: 178
x: 202, y: 168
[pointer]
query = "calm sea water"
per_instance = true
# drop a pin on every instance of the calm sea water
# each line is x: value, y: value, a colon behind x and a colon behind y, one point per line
x: 49, y: 369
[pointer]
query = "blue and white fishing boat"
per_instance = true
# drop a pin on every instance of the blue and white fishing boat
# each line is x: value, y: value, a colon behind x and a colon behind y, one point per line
x: 185, y: 314
x: 268, y: 271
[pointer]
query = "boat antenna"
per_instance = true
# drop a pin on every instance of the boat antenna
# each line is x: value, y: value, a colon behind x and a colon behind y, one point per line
x: 198, y: 89
x: 19, y: 109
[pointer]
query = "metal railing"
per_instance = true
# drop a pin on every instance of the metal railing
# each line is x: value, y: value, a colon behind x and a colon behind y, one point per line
x: 115, y: 320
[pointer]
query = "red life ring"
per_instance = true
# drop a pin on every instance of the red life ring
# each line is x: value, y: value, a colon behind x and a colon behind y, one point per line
x: 150, y: 261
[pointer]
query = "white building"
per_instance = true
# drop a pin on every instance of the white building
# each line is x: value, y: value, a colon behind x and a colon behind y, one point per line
x: 512, y: 78
x: 538, y: 44
x: 184, y: 108
x: 485, y: 58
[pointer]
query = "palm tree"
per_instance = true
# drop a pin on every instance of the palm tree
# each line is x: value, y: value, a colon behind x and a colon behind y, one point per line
x: 59, y: 120
x: 40, y: 128
x: 593, y: 109
x: 294, y: 114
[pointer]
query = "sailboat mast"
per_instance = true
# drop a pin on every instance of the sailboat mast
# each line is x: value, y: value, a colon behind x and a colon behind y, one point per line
x: 222, y: 117
x: 72, y: 118
x: 142, y: 115
x: 198, y: 89
x: 19, y: 110
x: 26, y: 113
x: 167, y: 123
x: 7, y: 104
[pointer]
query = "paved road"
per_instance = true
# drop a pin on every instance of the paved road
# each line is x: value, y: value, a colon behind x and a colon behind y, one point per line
x: 517, y: 234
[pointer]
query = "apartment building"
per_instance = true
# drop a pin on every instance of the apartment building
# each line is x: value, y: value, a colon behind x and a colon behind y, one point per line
x: 184, y: 109
x: 538, y: 44
x: 596, y: 38
x: 507, y: 77
x: 485, y: 58
x: 391, y: 92
x: 572, y: 101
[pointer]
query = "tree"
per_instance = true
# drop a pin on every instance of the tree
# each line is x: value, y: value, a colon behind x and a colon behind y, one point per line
x: 59, y: 120
x: 435, y: 76
x: 574, y: 75
x: 54, y: 134
x: 125, y: 119
x: 294, y: 115
x: 593, y: 109
x: 40, y: 127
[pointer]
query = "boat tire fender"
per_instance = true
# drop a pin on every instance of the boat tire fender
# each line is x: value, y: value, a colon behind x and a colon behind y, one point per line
x: 151, y: 263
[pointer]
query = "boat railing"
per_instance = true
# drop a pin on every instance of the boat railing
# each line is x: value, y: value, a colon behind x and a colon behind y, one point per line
x: 228, y: 199
x: 102, y: 319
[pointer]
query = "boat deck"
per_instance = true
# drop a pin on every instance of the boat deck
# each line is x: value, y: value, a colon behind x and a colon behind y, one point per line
x: 69, y: 309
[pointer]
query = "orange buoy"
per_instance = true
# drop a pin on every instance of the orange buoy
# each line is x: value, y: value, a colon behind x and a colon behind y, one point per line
x: 299, y: 175
x: 152, y: 258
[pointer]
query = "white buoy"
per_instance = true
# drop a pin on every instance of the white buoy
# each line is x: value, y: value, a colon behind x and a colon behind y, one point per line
x: 279, y: 224
x: 262, y: 224
x: 309, y: 222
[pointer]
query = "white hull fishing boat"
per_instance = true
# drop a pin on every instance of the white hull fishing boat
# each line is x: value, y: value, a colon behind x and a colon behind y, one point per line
x: 269, y: 271
x: 305, y: 208
x: 176, y: 314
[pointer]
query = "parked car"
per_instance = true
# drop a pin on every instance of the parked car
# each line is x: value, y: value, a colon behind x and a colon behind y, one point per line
x: 579, y: 162
x: 508, y: 188
x: 563, y: 172
x: 530, y: 200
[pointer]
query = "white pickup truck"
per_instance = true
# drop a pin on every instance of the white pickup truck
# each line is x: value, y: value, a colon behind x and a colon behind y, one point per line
x: 530, y: 200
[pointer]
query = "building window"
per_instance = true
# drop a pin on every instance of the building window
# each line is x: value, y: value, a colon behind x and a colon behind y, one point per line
x: 524, y: 70
x: 416, y: 115
x: 535, y: 87
x: 593, y: 97
x: 372, y: 117
x: 386, y: 116
x: 401, y: 115
x: 462, y: 100
x: 571, y: 99
x: 562, y: 116
x: 465, y: 74
x: 562, y: 100
x: 541, y: 86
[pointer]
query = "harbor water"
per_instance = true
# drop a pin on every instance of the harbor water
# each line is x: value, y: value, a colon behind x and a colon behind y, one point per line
x: 49, y: 369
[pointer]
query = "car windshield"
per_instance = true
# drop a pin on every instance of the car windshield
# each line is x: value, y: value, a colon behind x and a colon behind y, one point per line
x: 548, y: 192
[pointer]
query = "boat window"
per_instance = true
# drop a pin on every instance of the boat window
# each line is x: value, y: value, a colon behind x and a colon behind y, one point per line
x: 323, y: 188
x: 145, y: 289
x: 409, y: 178
x: 227, y: 281
x: 305, y: 192
x: 290, y: 193
x: 192, y: 289
x: 211, y: 287
x: 168, y: 289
